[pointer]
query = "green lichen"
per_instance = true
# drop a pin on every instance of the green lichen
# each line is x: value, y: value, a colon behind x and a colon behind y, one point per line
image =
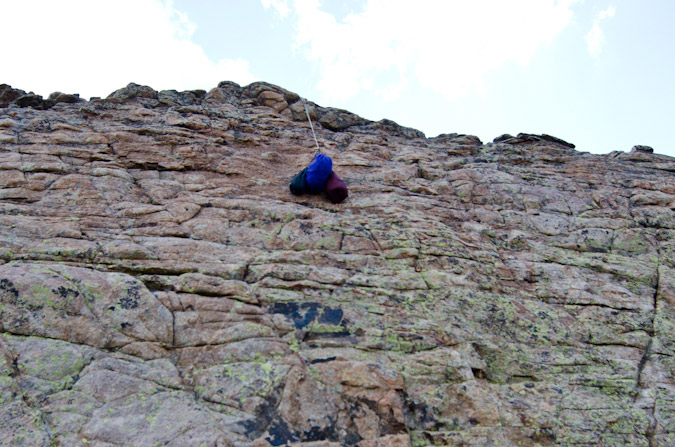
x: 6, y: 254
x: 294, y: 345
x: 39, y: 296
x: 323, y: 328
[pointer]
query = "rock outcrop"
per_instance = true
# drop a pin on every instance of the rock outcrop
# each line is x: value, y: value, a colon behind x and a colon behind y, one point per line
x: 159, y: 284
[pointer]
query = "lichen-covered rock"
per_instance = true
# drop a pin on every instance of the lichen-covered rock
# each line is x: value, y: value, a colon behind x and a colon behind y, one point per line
x: 159, y: 285
x: 104, y: 310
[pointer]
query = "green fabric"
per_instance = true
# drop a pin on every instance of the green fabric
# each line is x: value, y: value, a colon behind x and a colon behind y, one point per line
x: 299, y: 183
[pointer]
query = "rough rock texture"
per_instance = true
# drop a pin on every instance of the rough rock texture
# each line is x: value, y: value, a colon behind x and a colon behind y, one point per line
x: 159, y: 284
x: 16, y: 97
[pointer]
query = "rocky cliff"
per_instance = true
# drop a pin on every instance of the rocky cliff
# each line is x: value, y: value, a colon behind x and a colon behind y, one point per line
x: 159, y: 285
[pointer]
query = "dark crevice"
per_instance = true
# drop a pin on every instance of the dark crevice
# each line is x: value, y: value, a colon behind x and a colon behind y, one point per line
x: 650, y: 434
x: 173, y: 329
x: 374, y: 239
x: 620, y: 345
x: 601, y: 305
x: 611, y: 241
x: 244, y: 274
x: 643, y: 362
x: 655, y: 301
x: 111, y: 349
x: 651, y: 431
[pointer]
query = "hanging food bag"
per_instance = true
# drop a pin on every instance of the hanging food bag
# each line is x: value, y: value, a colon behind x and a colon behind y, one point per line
x: 317, y: 173
x: 336, y: 190
x: 299, y: 183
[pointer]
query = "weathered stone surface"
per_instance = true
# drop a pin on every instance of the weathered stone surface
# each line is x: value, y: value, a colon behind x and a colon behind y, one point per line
x: 19, y: 98
x: 159, y: 284
x: 64, y: 97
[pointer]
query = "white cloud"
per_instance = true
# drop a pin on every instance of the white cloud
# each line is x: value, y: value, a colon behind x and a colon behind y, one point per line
x: 95, y: 47
x: 447, y: 46
x: 281, y: 6
x: 609, y: 12
x: 595, y: 39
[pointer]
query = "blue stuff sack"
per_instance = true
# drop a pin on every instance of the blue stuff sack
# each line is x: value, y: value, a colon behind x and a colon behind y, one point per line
x: 317, y: 173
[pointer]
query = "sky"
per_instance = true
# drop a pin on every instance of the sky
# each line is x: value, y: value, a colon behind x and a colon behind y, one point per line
x: 597, y: 73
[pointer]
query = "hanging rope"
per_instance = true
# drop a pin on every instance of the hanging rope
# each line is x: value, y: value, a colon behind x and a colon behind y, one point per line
x: 318, y: 150
x: 319, y: 176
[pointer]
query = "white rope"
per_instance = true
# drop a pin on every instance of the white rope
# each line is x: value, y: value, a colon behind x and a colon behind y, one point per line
x: 311, y: 127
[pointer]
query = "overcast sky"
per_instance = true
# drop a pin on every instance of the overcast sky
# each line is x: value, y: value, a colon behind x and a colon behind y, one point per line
x: 597, y: 73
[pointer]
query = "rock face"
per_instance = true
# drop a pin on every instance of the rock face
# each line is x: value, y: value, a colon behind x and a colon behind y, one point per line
x: 159, y: 284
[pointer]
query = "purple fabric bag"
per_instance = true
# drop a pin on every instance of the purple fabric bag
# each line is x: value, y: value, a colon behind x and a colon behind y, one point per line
x: 336, y: 190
